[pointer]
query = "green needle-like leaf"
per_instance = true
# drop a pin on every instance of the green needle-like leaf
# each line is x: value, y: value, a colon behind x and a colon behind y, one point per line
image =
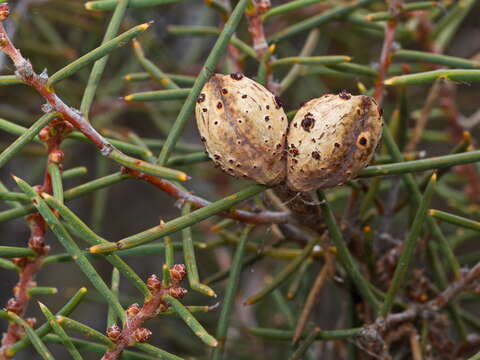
x: 191, y: 322
x: 96, y: 54
x: 45, y: 328
x: 60, y: 332
x: 37, y: 343
x: 105, y: 5
x: 180, y: 222
x: 409, y: 248
x: 26, y: 137
x: 230, y: 293
x: 64, y: 237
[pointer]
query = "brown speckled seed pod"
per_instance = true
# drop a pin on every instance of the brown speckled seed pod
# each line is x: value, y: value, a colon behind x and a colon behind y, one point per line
x: 243, y: 127
x: 330, y: 140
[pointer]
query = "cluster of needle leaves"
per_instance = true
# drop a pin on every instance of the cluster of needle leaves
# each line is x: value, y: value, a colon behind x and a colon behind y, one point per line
x: 386, y: 266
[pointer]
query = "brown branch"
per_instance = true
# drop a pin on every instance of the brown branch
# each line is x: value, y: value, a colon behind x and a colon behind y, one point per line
x: 132, y: 331
x: 263, y: 217
x: 373, y: 334
x: 385, y: 56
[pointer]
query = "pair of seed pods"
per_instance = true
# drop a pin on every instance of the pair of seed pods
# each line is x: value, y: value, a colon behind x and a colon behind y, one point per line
x: 246, y: 133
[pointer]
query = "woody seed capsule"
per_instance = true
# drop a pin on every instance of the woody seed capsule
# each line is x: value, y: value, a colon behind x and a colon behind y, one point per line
x: 243, y: 128
x: 330, y: 140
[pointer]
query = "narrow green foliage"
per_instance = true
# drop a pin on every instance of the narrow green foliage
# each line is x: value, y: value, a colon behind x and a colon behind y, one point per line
x: 210, y: 30
x: 8, y: 265
x: 152, y: 69
x: 99, y: 65
x: 439, y: 59
x: 286, y: 335
x: 180, y: 222
x: 387, y: 15
x: 303, y: 348
x: 230, y: 293
x: 9, y: 80
x: 60, y: 332
x: 13, y: 252
x: 409, y: 248
x: 455, y: 219
x: 56, y: 178
x: 114, y: 285
x: 65, y: 239
x: 283, y: 275
x: 91, y: 238
x: 26, y: 137
x: 288, y: 7
x: 190, y: 260
x: 433, y: 163
x: 42, y: 290
x: 191, y: 322
x: 428, y: 77
x: 318, y: 20
x: 37, y: 343
x: 311, y: 60
x: 344, y: 255
x: 44, y: 329
x: 181, y: 80
x: 98, y: 348
x: 146, y: 167
x: 106, y: 5
x: 96, y: 54
x: 84, y: 330
x: 159, y: 95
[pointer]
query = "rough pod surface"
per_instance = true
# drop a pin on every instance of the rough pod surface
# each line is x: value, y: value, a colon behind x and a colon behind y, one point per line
x: 330, y: 140
x: 243, y: 127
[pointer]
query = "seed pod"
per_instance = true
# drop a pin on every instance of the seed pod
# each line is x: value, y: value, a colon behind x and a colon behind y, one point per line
x: 330, y: 140
x: 243, y: 127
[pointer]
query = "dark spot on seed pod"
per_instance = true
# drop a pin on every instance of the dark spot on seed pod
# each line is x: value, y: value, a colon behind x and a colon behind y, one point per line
x: 274, y: 153
x: 278, y: 102
x: 267, y: 118
x: 359, y: 111
x: 344, y: 95
x: 366, y: 102
x: 224, y: 91
x: 266, y: 141
x: 295, y: 161
x: 230, y: 161
x: 295, y: 125
x: 282, y: 118
x: 294, y: 152
x: 215, y: 123
x: 239, y: 142
x: 230, y: 169
x: 203, y: 139
x: 321, y: 136
x: 219, y: 105
x: 314, y: 141
x: 217, y: 157
x: 316, y: 155
x: 236, y: 76
x: 254, y: 166
x: 204, y: 110
x: 336, y: 145
x: 308, y: 123
x: 268, y: 107
x: 380, y: 111
x: 238, y: 165
x: 201, y: 98
x: 269, y: 127
x: 239, y: 121
x: 244, y: 96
